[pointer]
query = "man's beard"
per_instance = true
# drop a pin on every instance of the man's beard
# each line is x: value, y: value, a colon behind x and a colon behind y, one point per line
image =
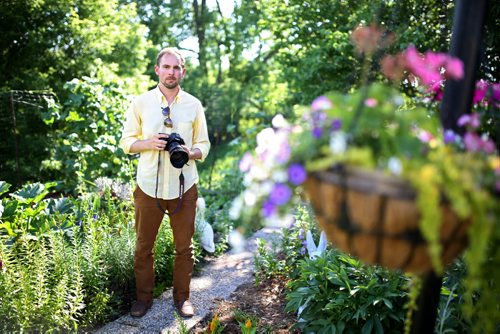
x: 170, y: 85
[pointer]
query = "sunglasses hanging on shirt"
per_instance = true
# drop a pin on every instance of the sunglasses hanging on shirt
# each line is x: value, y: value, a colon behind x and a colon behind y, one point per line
x: 168, y: 121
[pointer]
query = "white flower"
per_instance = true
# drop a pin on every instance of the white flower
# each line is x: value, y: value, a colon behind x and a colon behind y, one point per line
x: 258, y: 172
x: 279, y: 221
x: 249, y: 197
x: 236, y: 207
x: 279, y: 121
x: 266, y: 187
x: 338, y: 142
x: 237, y: 241
x: 279, y: 176
x: 395, y: 166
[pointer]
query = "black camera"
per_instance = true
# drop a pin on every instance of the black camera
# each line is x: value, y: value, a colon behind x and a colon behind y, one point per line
x: 178, y: 157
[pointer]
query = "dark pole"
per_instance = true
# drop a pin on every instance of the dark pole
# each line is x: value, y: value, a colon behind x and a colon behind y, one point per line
x: 468, y: 22
x: 466, y: 39
x: 424, y: 319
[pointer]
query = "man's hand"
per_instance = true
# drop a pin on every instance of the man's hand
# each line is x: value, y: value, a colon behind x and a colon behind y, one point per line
x: 193, y: 155
x: 153, y: 143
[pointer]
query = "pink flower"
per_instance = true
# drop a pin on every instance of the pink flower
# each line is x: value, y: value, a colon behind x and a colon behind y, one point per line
x: 437, y: 90
x: 472, y: 142
x: 435, y: 60
x: 284, y: 152
x: 454, y: 68
x: 428, y: 67
x: 481, y: 87
x: 246, y: 162
x: 371, y: 102
x: 425, y: 136
x: 488, y: 146
x: 475, y: 122
x: 321, y: 103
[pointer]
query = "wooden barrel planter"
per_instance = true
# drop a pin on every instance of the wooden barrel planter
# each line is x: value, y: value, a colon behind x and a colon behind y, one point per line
x: 374, y: 216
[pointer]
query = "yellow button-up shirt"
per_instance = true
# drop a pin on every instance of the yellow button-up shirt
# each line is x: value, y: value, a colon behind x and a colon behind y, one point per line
x: 145, y: 119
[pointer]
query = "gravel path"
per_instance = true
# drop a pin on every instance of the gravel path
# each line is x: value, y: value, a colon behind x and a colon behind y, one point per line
x: 217, y: 280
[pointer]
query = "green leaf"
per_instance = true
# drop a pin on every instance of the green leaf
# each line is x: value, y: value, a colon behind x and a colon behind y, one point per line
x: 59, y: 205
x: 9, y: 209
x: 8, y: 227
x: 378, y: 326
x: 4, y: 187
x: 388, y: 303
x: 33, y: 193
x: 367, y: 328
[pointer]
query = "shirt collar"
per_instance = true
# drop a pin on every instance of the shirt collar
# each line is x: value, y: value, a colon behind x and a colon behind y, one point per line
x: 161, y: 98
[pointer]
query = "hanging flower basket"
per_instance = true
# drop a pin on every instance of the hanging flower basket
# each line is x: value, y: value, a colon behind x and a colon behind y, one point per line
x: 375, y: 217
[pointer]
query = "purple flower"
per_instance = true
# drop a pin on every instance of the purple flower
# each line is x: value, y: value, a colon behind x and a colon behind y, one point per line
x: 316, y: 132
x: 95, y: 216
x: 318, y: 116
x: 336, y: 124
x: 296, y: 174
x: 463, y: 120
x: 469, y: 119
x: 280, y: 194
x: 496, y: 91
x: 449, y: 137
x: 268, y: 209
x: 321, y: 103
x: 301, y: 234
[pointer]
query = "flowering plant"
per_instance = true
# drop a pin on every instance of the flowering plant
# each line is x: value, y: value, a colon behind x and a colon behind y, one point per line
x: 377, y: 127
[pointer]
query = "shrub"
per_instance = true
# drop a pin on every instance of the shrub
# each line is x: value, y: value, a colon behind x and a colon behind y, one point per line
x: 337, y: 293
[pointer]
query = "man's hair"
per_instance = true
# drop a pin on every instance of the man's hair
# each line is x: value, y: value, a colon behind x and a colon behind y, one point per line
x: 172, y: 51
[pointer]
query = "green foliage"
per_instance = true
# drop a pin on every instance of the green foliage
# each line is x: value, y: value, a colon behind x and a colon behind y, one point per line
x: 87, y: 129
x: 27, y: 212
x: 48, y: 42
x: 42, y: 286
x: 338, y: 293
x: 220, y: 182
x: 282, y: 258
x: 66, y: 264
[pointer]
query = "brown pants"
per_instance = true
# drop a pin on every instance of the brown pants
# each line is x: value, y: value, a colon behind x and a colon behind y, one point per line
x: 148, y: 218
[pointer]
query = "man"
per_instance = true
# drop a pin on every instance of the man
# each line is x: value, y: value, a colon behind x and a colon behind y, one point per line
x: 152, y: 117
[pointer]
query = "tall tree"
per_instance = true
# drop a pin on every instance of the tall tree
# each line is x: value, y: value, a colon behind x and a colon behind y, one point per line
x: 48, y: 42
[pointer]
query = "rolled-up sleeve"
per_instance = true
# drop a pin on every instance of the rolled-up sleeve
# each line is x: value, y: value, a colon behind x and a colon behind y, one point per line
x: 132, y: 130
x: 200, y: 134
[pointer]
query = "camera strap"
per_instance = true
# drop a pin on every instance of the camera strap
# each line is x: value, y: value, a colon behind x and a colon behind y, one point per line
x: 181, y: 191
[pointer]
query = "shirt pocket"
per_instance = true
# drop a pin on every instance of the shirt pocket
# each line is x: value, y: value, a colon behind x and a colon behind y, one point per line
x: 185, y: 129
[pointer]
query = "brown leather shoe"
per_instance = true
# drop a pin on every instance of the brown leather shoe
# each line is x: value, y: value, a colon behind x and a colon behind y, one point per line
x: 185, y: 308
x: 140, y: 308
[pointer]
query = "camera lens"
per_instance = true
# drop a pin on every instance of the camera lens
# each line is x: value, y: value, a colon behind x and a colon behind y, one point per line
x: 178, y: 157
